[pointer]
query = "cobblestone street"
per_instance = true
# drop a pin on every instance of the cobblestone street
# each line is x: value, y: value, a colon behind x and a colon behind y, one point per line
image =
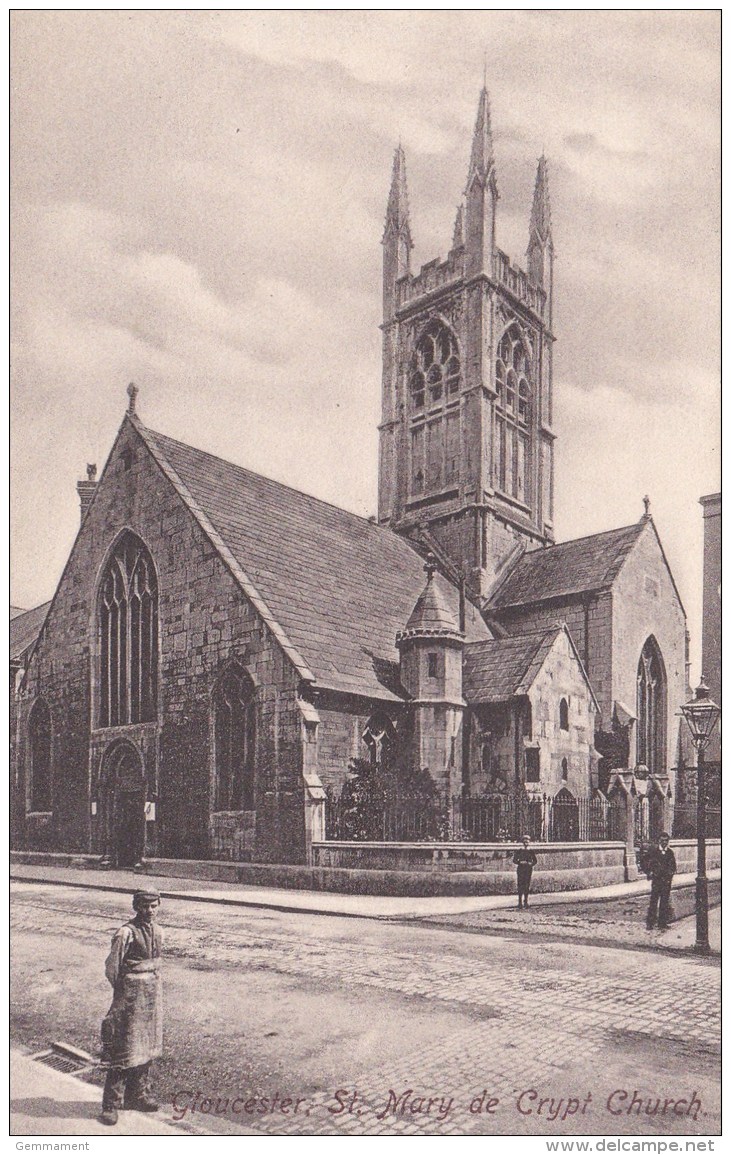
x: 559, y: 1035
x: 616, y: 923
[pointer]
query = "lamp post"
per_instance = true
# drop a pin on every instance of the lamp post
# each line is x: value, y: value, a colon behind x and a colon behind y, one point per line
x: 701, y: 713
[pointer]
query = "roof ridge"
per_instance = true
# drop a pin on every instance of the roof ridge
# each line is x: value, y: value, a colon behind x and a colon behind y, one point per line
x: 264, y: 477
x: 540, y: 633
x: 637, y: 525
x: 32, y: 610
x: 224, y: 551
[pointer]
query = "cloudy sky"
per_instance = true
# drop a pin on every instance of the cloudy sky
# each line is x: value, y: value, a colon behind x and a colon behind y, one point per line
x: 197, y: 205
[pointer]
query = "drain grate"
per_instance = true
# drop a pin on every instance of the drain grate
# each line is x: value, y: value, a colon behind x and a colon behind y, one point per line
x: 64, y: 1057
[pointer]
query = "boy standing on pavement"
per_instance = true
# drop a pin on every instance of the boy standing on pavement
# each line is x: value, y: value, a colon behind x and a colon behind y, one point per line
x: 661, y: 866
x: 525, y: 859
x: 132, y: 1029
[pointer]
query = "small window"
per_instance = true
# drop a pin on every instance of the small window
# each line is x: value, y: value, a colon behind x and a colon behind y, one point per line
x: 39, y: 733
x: 433, y: 665
x: 563, y: 712
x: 565, y: 769
x: 126, y: 460
x: 532, y: 764
x: 486, y: 757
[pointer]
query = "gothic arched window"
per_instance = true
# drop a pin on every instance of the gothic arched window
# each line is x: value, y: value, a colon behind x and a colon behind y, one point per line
x: 379, y: 738
x: 651, y: 699
x: 234, y: 707
x: 434, y: 384
x: 128, y: 635
x: 39, y: 743
x: 563, y: 714
x: 513, y: 413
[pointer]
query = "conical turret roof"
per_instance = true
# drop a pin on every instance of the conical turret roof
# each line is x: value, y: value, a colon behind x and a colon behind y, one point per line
x: 431, y: 617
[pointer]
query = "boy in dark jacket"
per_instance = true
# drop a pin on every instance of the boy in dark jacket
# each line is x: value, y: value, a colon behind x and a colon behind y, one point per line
x: 525, y: 859
x: 661, y: 866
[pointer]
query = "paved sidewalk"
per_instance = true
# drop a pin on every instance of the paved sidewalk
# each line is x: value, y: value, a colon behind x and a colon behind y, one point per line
x: 319, y: 902
x: 681, y: 935
x: 47, y: 1102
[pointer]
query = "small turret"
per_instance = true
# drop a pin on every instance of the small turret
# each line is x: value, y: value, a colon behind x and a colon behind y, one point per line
x: 431, y: 646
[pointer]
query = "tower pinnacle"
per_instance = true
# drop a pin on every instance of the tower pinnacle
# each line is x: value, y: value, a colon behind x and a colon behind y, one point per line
x: 397, y: 243
x: 397, y: 212
x: 540, y: 239
x: 482, y: 158
x: 540, y: 217
x: 458, y: 235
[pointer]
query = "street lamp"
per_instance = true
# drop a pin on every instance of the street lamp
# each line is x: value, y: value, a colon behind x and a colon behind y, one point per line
x: 701, y: 713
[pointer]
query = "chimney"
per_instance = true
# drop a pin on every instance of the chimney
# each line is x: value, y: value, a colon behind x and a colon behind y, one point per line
x: 85, y: 490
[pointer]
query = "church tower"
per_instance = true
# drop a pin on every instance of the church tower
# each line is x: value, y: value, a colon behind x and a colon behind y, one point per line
x: 466, y: 445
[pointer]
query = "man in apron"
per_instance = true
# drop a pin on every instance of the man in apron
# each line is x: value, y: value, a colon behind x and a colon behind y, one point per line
x: 132, y: 1029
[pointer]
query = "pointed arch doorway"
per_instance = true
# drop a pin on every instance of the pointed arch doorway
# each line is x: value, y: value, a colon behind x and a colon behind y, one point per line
x: 123, y: 776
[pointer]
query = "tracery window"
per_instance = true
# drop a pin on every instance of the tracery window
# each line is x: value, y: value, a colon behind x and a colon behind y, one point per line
x: 651, y: 698
x: 434, y: 383
x: 379, y: 738
x: 39, y: 742
x: 513, y: 413
x: 234, y: 740
x: 128, y: 634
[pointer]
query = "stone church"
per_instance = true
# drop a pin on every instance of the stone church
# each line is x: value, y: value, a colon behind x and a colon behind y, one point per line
x: 220, y: 647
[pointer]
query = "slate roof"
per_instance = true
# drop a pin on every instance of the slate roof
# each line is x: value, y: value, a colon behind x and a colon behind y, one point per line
x: 497, y: 670
x: 334, y: 588
x: 431, y: 616
x: 587, y: 563
x: 25, y: 628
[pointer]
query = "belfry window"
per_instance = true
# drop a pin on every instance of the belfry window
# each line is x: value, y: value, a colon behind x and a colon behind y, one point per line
x: 651, y: 699
x: 434, y: 385
x: 513, y: 415
x: 235, y: 740
x: 128, y: 636
x: 39, y: 742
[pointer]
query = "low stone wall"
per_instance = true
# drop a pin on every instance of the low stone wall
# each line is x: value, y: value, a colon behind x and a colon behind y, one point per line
x: 424, y: 868
x: 685, y: 853
x: 561, y: 865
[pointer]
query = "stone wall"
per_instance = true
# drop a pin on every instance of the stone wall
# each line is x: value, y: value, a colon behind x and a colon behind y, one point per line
x: 424, y: 877
x: 561, y: 866
x: 589, y: 620
x: 340, y: 733
x: 204, y: 622
x: 561, y: 678
x: 645, y: 604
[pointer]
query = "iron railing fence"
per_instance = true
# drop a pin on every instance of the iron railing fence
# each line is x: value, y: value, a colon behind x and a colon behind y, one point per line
x: 481, y: 818
x: 685, y: 820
